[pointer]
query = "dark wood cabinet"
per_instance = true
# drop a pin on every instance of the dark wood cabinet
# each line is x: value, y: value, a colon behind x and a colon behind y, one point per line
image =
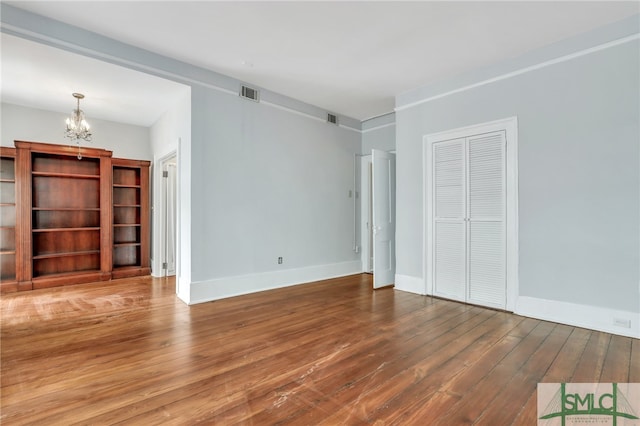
x: 7, y: 219
x: 130, y: 218
x: 68, y: 221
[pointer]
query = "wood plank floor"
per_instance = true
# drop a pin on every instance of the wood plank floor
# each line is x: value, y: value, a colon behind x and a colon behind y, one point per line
x: 332, y: 352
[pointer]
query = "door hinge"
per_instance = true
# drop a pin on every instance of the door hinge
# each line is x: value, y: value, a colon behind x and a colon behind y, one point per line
x: 165, y: 173
x: 164, y: 265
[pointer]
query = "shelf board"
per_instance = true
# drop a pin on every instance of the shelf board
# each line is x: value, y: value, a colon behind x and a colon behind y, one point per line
x: 8, y: 180
x: 65, y: 274
x: 7, y: 204
x: 122, y: 185
x: 65, y: 175
x: 121, y: 225
x: 65, y: 254
x: 93, y: 228
x: 116, y: 245
x: 7, y: 227
x: 66, y: 209
x: 7, y: 252
x: 126, y: 205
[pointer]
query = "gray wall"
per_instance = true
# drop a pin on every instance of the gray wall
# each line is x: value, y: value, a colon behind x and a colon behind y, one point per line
x: 267, y: 183
x: 379, y: 133
x: 579, y: 181
x: 36, y: 125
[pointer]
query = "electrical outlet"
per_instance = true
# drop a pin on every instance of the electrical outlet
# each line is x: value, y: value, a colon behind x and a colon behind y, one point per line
x: 622, y: 322
x: 280, y: 260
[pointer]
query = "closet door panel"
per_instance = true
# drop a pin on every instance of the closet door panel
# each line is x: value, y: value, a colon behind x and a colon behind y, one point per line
x: 449, y: 265
x: 486, y: 264
x: 449, y: 179
x: 486, y: 176
x: 486, y: 257
x: 449, y: 260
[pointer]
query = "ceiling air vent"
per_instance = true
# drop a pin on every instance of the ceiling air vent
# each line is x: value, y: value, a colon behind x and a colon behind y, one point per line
x: 332, y: 118
x: 249, y: 93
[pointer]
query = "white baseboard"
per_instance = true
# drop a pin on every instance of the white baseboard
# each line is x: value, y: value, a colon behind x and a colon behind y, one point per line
x: 183, y: 290
x: 591, y: 317
x: 220, y: 288
x: 410, y: 284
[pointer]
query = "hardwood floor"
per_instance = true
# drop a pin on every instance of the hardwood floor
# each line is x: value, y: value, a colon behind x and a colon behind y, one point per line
x: 331, y: 352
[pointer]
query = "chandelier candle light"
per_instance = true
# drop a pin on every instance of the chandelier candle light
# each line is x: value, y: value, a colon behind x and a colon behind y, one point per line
x: 77, y: 126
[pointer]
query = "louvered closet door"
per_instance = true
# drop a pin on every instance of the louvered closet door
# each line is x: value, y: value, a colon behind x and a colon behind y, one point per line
x: 486, y: 257
x: 469, y: 219
x: 449, y: 225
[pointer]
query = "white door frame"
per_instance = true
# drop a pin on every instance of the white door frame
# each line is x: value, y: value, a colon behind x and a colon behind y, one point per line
x: 510, y: 126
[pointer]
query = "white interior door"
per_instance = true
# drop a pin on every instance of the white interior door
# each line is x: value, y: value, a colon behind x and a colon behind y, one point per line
x: 469, y: 235
x: 449, y: 219
x: 486, y: 235
x: 384, y: 221
x: 366, y: 216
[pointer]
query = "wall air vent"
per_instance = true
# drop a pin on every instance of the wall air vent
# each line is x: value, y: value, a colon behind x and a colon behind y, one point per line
x: 249, y: 93
x: 332, y: 118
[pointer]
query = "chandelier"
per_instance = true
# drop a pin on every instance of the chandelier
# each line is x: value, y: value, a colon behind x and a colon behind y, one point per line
x: 77, y: 126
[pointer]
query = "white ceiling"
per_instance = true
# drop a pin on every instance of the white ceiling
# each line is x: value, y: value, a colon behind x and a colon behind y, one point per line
x: 43, y: 77
x: 351, y: 58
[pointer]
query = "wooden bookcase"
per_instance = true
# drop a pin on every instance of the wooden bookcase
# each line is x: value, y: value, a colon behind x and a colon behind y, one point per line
x: 8, y: 280
x: 130, y: 218
x: 70, y: 229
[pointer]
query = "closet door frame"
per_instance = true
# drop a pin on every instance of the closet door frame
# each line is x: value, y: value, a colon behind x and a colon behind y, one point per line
x: 510, y: 127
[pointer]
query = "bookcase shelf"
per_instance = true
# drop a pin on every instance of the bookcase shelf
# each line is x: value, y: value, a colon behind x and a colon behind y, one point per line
x: 87, y: 228
x: 126, y: 244
x: 65, y: 175
x: 62, y: 209
x: 66, y: 254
